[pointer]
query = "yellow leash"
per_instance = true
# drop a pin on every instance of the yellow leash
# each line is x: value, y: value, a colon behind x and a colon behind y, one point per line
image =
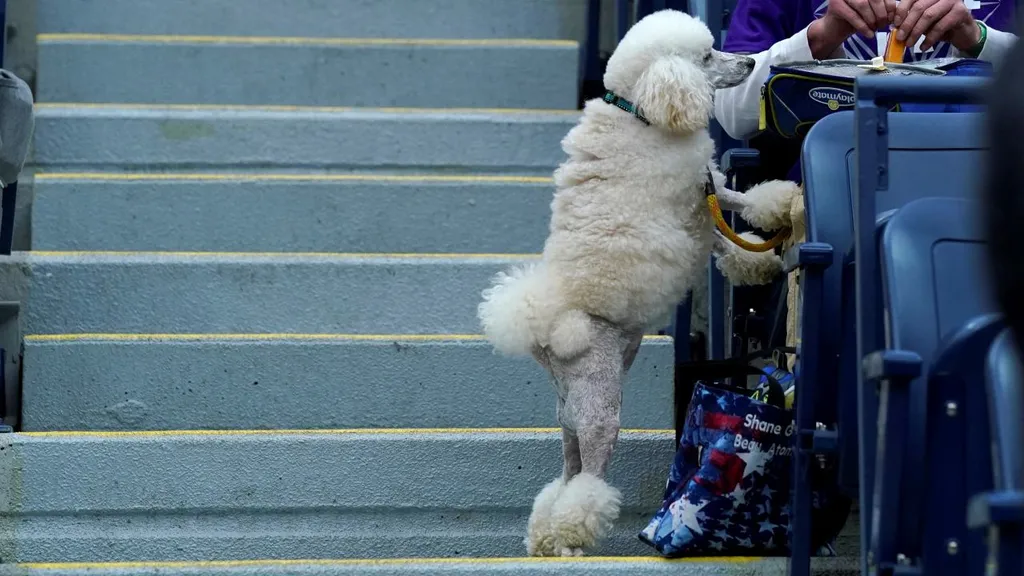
x: 723, y: 226
x: 893, y: 53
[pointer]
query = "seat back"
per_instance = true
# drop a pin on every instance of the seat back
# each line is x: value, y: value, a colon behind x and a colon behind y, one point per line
x: 935, y: 154
x: 938, y: 305
x: 934, y: 274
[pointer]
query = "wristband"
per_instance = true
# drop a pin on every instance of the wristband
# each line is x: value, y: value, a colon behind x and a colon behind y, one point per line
x: 975, y: 51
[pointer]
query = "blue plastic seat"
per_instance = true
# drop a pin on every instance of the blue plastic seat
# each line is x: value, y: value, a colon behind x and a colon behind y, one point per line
x: 945, y: 165
x: 927, y: 155
x: 932, y: 440
x: 1002, y: 510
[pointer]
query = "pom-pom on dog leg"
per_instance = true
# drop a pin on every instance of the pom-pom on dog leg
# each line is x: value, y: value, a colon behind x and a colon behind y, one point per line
x: 584, y: 513
x: 588, y: 507
x: 540, y: 535
x: 765, y: 206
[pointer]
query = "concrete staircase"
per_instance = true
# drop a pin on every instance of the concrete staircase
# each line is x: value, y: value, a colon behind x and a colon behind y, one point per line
x: 260, y: 231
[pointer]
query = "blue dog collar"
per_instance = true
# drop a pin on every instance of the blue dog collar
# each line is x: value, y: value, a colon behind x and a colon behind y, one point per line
x: 623, y: 104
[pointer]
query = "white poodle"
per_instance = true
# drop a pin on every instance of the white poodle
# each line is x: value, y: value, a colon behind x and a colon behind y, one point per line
x: 630, y: 233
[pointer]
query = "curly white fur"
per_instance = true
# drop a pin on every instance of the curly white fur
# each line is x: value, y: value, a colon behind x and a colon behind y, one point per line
x: 540, y: 534
x: 743, y: 267
x: 568, y: 518
x: 629, y: 230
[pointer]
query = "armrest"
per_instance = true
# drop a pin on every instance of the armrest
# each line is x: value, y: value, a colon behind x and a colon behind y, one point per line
x: 809, y: 255
x: 740, y: 158
x: 897, y: 365
x: 1000, y: 508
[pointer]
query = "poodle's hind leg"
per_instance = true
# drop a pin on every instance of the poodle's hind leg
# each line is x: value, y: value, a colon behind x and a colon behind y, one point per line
x: 572, y: 461
x: 572, y: 466
x: 744, y: 268
x: 540, y: 533
x: 632, y: 347
x: 766, y: 206
x: 588, y: 506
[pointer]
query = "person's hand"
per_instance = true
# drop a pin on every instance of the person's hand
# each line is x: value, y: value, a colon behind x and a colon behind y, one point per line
x: 936, y: 20
x: 864, y: 16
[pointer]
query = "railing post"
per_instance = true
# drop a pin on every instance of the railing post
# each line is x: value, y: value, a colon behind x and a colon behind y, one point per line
x: 590, y: 57
x: 10, y: 191
x: 870, y: 139
x: 811, y: 258
x: 3, y: 30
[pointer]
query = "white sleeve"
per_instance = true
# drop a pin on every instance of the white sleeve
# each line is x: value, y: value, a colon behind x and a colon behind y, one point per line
x: 997, y: 44
x: 738, y: 108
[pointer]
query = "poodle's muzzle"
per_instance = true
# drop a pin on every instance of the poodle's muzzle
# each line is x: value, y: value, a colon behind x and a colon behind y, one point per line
x: 726, y: 70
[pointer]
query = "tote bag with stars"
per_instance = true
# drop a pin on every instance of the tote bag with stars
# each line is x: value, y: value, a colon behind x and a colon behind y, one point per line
x: 728, y: 490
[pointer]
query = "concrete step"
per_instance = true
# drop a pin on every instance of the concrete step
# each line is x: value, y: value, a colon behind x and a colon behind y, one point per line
x: 185, y: 137
x: 502, y: 73
x: 598, y: 566
x: 183, y: 292
x: 276, y: 212
x: 332, y: 19
x: 165, y: 496
x: 159, y: 382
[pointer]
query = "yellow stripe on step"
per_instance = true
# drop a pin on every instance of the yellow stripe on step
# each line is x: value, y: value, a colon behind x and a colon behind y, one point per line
x: 278, y: 177
x: 403, y: 338
x: 321, y: 432
x: 292, y: 108
x: 380, y: 562
x: 257, y: 337
x: 257, y: 255
x: 304, y: 41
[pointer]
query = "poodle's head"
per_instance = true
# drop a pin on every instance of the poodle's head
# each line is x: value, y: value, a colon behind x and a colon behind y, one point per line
x: 666, y: 65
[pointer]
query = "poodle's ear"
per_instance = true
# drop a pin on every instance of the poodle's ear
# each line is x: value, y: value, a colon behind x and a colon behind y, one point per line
x: 674, y: 94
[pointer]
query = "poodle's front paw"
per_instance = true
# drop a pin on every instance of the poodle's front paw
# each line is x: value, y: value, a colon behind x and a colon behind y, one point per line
x: 583, y: 514
x: 744, y: 268
x: 540, y: 537
x: 768, y: 204
x: 570, y: 552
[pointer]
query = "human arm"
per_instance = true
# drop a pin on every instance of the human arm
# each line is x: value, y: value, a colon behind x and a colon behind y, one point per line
x: 997, y: 45
x: 766, y: 206
x: 738, y: 109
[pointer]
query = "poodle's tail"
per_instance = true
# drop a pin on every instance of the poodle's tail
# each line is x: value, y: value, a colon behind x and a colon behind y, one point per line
x: 521, y: 311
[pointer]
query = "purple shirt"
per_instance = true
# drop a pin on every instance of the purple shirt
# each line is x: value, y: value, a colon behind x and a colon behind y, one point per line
x: 757, y: 24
